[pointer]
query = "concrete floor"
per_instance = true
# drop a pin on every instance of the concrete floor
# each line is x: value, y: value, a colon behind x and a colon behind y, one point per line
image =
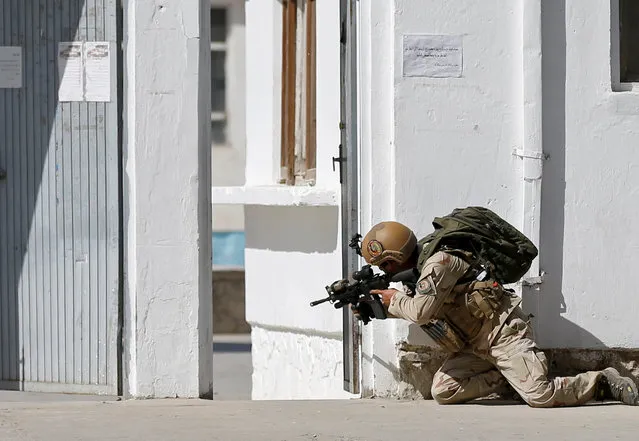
x: 232, y: 368
x: 232, y: 416
x: 345, y: 420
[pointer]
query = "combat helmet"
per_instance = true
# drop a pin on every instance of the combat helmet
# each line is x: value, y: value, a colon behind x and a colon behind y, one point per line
x: 388, y: 241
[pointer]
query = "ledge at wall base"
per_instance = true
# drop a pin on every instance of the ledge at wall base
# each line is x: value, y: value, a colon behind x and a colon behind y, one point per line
x: 309, y: 332
x: 276, y: 195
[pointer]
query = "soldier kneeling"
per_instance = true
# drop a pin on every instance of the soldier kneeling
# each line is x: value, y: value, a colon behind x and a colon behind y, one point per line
x: 482, y: 325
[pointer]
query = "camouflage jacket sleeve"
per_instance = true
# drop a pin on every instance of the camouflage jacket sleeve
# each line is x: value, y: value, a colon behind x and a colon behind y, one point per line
x: 438, y: 277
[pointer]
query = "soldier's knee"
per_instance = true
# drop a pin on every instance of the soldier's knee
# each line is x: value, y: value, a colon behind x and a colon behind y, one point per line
x: 443, y: 396
x: 540, y: 396
x: 444, y: 391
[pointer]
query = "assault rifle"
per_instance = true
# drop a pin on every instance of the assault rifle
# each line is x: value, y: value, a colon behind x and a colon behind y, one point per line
x: 358, y: 292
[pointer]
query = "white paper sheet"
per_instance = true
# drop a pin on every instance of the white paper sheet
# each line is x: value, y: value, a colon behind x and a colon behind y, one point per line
x: 10, y: 67
x: 97, y: 56
x: 71, y: 69
x: 85, y: 71
x: 434, y: 56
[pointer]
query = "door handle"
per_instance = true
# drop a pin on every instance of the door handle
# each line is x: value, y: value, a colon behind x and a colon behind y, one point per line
x: 339, y: 160
x: 3, y: 174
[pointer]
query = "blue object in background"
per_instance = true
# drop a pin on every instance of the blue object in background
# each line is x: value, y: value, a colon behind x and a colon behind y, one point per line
x: 228, y: 248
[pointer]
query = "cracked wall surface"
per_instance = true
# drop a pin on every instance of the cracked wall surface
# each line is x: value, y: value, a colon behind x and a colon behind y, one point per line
x: 289, y: 365
x: 167, y: 295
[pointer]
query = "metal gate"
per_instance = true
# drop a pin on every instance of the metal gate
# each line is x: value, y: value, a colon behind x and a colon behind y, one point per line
x: 59, y: 196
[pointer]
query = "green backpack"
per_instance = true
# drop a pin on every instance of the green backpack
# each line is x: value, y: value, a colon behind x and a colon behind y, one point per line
x: 495, y: 244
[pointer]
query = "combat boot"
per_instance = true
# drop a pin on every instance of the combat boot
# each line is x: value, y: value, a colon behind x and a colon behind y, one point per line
x: 615, y: 387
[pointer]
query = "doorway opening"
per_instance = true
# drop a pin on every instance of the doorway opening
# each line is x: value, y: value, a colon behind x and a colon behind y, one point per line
x: 232, y: 364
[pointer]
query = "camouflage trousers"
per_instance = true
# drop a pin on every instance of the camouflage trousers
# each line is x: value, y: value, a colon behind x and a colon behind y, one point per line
x: 515, y: 360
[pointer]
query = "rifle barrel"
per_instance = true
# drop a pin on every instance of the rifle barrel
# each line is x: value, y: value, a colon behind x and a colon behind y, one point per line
x: 318, y: 302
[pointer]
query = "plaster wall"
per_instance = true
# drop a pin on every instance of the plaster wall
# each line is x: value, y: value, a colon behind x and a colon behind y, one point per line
x: 291, y: 254
x: 263, y: 82
x: 454, y: 136
x: 167, y: 292
x: 437, y: 143
x: 450, y: 143
x: 589, y: 237
x: 293, y: 238
x: 429, y: 145
x: 297, y: 366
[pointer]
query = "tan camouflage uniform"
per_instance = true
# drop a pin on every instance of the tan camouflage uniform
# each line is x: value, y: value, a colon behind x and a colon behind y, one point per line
x: 498, y: 350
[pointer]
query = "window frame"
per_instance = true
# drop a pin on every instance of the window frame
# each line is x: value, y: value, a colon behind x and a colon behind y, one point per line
x: 298, y: 143
x: 216, y: 46
x: 619, y: 83
x: 624, y: 50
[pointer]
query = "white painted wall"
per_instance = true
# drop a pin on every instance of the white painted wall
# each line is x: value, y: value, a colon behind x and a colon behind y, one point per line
x: 431, y: 145
x: 436, y: 144
x: 449, y: 143
x: 292, y: 253
x: 167, y: 295
x: 589, y: 236
x: 377, y: 178
x: 293, y: 245
x: 263, y: 81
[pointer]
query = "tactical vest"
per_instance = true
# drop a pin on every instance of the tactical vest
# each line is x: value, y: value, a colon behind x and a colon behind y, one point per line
x: 462, y: 316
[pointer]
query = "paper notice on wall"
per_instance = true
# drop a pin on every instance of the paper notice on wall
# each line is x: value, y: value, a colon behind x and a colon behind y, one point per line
x: 85, y: 71
x: 97, y: 71
x: 434, y: 56
x: 10, y: 67
x: 71, y: 69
